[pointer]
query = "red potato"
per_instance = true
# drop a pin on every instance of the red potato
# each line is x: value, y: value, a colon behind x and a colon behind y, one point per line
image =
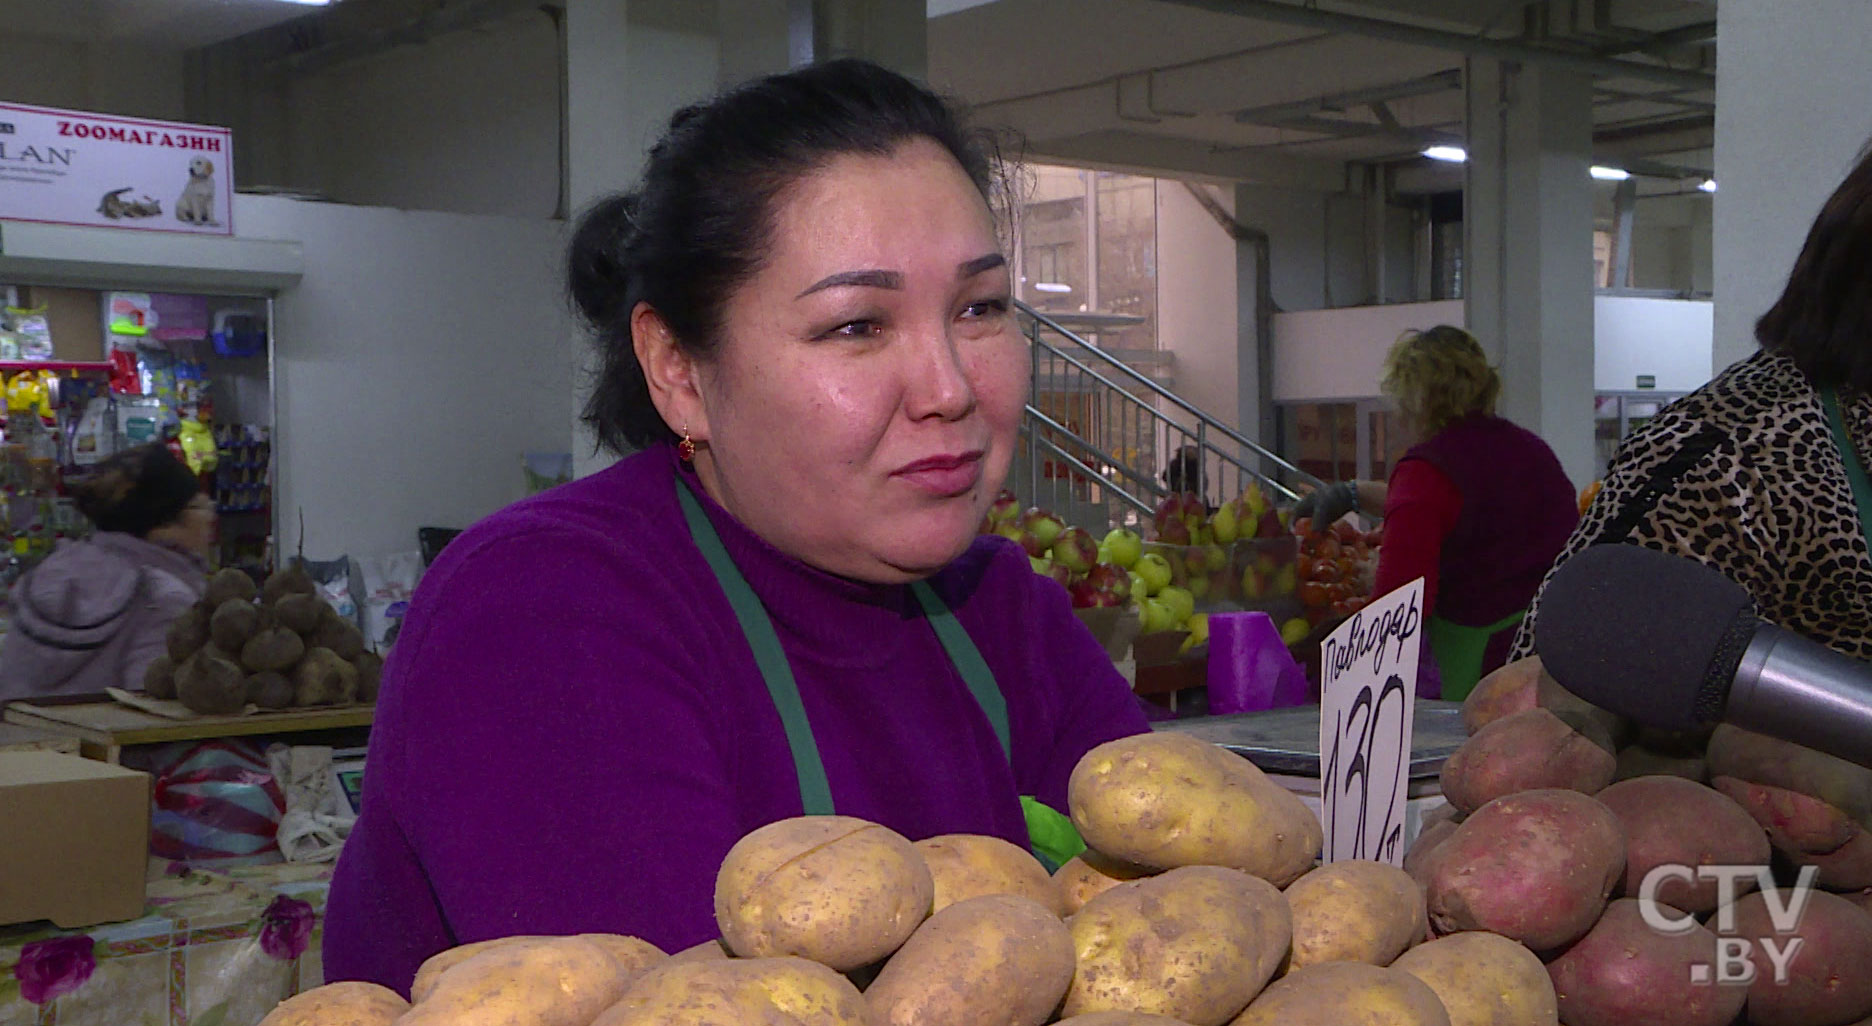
x: 1796, y: 823
x: 1640, y: 761
x: 1828, y: 979
x: 1536, y: 867
x: 1624, y: 972
x: 1847, y: 869
x: 1672, y: 821
x: 1526, y: 751
x: 1508, y: 690
x: 1759, y: 759
x: 1437, y: 828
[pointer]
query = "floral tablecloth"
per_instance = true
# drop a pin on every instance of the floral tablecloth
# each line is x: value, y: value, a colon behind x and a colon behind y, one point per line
x: 216, y: 948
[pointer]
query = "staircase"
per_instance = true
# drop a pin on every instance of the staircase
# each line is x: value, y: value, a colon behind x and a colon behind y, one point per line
x: 1099, y: 436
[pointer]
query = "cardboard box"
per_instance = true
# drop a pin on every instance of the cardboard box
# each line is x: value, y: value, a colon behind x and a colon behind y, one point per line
x: 77, y: 839
x: 77, y: 320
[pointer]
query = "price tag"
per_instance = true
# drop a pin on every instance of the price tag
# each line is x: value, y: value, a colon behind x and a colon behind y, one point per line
x: 1368, y: 693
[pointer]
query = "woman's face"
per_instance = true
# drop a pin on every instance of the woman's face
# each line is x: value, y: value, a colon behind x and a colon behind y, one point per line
x: 193, y: 531
x: 862, y: 408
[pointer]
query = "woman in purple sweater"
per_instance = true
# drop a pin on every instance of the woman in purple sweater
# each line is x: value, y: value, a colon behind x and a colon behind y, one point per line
x: 779, y: 605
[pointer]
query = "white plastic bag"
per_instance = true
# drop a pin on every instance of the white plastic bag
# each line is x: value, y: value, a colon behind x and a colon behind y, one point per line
x: 318, y: 818
x: 389, y: 581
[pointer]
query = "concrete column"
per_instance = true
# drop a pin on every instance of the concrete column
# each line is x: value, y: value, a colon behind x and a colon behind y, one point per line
x: 1790, y: 119
x: 1527, y: 252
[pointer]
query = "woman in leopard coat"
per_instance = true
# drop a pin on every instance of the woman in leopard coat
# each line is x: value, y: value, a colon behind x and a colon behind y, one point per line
x: 1754, y: 473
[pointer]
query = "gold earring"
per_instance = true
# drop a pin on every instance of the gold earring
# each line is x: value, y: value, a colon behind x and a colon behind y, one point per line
x: 686, y: 447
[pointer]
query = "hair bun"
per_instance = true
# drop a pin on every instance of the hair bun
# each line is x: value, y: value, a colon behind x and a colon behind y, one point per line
x: 600, y: 270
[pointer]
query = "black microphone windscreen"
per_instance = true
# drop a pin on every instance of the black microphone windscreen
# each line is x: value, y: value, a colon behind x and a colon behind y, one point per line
x: 1653, y: 637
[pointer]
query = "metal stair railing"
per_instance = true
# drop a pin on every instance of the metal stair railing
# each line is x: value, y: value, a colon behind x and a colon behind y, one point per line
x: 1102, y: 442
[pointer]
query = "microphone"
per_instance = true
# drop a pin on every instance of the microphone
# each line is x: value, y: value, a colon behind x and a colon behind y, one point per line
x: 1673, y: 644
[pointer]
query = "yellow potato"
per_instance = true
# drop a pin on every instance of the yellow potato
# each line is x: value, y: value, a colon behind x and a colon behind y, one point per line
x: 632, y: 955
x: 549, y: 981
x: 964, y: 866
x: 1194, y: 944
x: 339, y: 1004
x: 1342, y: 993
x: 1169, y: 800
x: 999, y: 958
x: 1484, y: 979
x: 707, y: 951
x: 1354, y: 911
x: 1087, y: 875
x: 843, y: 892
x: 1119, y: 1019
x: 439, y: 963
x: 740, y: 992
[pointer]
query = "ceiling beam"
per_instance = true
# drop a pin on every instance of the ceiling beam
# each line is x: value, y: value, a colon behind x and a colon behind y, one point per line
x: 1480, y: 46
x: 1442, y: 81
x: 1670, y: 39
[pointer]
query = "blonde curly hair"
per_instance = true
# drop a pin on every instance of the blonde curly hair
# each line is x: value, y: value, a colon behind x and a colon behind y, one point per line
x: 1438, y: 376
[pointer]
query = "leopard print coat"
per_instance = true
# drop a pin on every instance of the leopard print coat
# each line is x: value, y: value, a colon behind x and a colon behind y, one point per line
x: 1767, y: 502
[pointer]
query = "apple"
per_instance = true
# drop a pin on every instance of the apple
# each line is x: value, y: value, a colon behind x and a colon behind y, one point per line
x: 1272, y: 524
x: 1157, y: 615
x: 1111, y: 579
x: 1294, y: 631
x: 1198, y: 628
x: 1139, y: 591
x: 1180, y: 600
x: 1044, y: 526
x: 1215, y: 557
x: 1005, y: 508
x: 1227, y: 522
x: 1075, y: 550
x: 1174, y: 532
x: 1035, y: 548
x: 1125, y: 546
x: 1198, y: 587
x: 1156, y: 572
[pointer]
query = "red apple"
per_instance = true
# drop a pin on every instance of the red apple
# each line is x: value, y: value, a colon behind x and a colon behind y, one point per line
x: 1075, y: 550
x: 1044, y: 526
x: 1110, y: 581
x: 1005, y: 508
x: 1174, y: 531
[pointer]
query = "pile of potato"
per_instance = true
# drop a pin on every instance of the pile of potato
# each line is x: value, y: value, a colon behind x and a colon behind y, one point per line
x: 1200, y: 903
x: 280, y: 646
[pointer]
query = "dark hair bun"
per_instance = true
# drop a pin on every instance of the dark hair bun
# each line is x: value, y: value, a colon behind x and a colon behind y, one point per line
x: 598, y: 271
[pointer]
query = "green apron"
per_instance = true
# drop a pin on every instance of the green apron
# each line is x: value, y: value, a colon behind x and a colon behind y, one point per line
x: 1849, y: 455
x: 1459, y: 651
x: 1050, y: 835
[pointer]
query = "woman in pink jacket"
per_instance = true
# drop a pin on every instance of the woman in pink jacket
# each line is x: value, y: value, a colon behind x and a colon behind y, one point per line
x: 95, y: 612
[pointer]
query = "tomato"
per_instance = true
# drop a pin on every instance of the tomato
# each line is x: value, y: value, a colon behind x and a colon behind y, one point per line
x: 1324, y: 571
x: 1315, y: 595
x: 1329, y: 548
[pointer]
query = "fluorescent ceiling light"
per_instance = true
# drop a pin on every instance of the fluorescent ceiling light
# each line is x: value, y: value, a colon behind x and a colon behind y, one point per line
x: 309, y: 3
x: 1447, y: 154
x: 1051, y: 286
x: 1609, y: 174
x: 1709, y: 185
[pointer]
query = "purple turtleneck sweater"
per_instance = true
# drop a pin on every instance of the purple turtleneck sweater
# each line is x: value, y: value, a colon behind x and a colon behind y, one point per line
x: 572, y: 731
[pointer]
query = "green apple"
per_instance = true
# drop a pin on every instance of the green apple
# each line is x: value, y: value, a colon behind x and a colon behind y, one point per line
x: 1294, y: 631
x: 1180, y: 600
x: 1043, y: 567
x: 1139, y: 590
x: 1156, y: 572
x: 1215, y: 557
x: 1198, y: 588
x: 1156, y: 615
x: 1124, y: 546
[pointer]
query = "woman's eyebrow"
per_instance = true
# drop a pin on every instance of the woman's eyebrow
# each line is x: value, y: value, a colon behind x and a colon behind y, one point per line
x: 862, y: 279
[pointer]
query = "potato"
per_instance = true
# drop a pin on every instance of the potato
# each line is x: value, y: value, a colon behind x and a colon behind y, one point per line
x: 1524, y: 752
x: 442, y: 961
x: 1796, y: 823
x: 211, y: 685
x: 1639, y: 761
x: 300, y: 613
x: 233, y: 622
x: 339, y: 635
x: 1504, y: 692
x: 1829, y: 977
x: 1418, y: 859
x: 291, y: 581
x: 1551, y: 696
x: 841, y: 891
x: 1672, y: 821
x: 369, y: 667
x: 740, y: 992
x: 277, y: 649
x: 339, y: 1004
x: 1536, y: 867
x: 1484, y: 979
x: 1847, y: 869
x: 999, y: 958
x: 1759, y: 759
x: 707, y: 951
x: 1169, y: 800
x: 543, y: 981
x: 1354, y: 911
x: 1343, y: 993
x: 187, y: 634
x: 1120, y: 1019
x: 321, y: 678
x: 964, y: 866
x: 1679, y: 744
x: 1088, y: 874
x: 1624, y: 972
x: 270, y: 690
x: 229, y: 585
x: 1195, y: 944
x: 634, y: 955
x: 159, y: 677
